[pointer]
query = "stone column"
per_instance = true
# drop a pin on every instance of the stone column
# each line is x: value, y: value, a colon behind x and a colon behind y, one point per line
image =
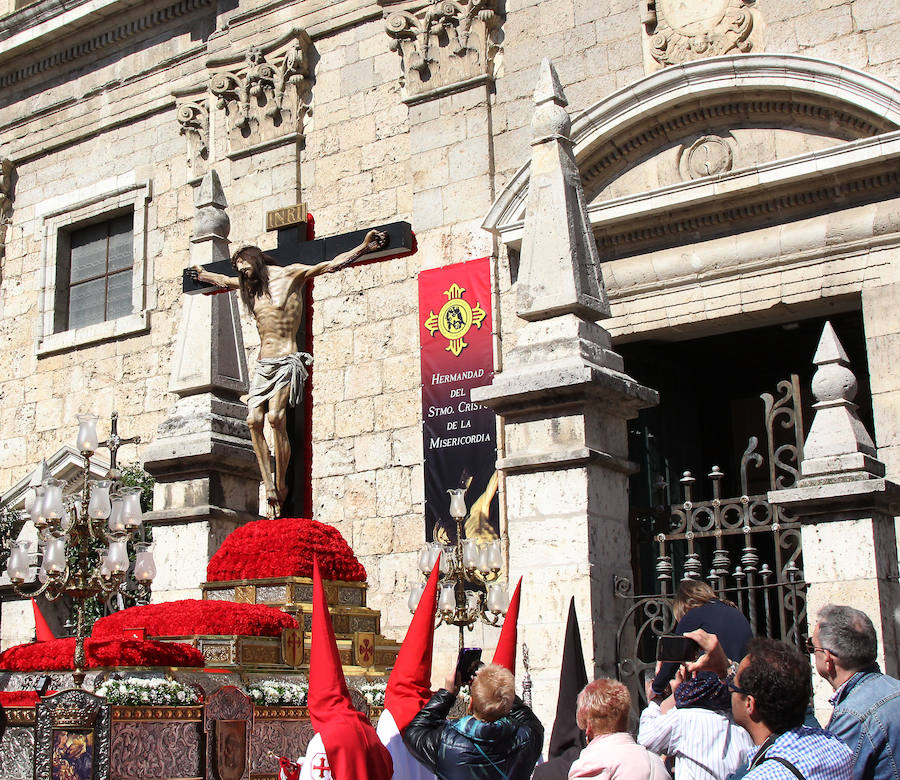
x: 564, y: 399
x: 847, y: 508
x: 207, y: 478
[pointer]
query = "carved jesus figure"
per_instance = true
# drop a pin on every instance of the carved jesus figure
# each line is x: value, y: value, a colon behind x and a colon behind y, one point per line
x: 274, y: 295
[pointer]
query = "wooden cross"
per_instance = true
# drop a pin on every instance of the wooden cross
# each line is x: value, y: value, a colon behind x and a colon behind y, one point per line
x: 294, y: 246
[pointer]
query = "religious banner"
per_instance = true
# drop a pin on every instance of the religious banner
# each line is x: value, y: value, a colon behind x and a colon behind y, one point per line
x: 460, y: 437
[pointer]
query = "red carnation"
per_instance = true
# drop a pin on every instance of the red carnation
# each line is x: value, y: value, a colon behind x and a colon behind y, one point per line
x: 192, y: 616
x: 59, y: 654
x: 284, y: 548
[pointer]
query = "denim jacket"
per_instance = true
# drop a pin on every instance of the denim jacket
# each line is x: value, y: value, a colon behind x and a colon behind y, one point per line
x: 867, y: 719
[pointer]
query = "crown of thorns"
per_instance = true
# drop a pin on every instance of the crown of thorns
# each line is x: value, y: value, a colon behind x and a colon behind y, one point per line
x: 243, y: 248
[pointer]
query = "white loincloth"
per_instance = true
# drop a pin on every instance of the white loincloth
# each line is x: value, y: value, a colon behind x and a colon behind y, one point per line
x: 274, y: 373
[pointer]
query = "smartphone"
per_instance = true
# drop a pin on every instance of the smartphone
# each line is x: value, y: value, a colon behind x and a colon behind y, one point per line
x: 467, y: 663
x: 671, y: 647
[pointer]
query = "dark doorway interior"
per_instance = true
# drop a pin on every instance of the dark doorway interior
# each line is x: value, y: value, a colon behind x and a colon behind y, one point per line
x: 710, y: 398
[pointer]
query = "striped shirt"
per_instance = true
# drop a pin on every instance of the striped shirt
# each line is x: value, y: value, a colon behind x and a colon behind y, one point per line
x: 706, y: 745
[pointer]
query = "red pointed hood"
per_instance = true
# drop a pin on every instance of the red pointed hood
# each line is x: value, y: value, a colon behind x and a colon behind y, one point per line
x: 353, y: 749
x: 505, y: 654
x: 408, y: 687
x: 42, y: 631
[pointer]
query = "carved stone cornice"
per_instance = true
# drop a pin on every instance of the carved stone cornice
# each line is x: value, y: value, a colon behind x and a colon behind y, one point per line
x: 677, y: 32
x: 445, y: 45
x: 263, y: 92
x: 105, y: 36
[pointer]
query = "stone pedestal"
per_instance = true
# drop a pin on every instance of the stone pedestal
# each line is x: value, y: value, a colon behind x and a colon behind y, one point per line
x: 207, y: 477
x: 847, y: 508
x: 564, y: 399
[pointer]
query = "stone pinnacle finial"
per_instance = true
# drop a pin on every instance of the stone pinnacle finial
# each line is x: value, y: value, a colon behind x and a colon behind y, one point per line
x: 838, y: 445
x: 548, y: 87
x: 210, y: 217
x: 560, y: 266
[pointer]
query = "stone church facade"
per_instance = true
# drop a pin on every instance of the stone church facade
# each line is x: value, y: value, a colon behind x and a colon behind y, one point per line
x: 738, y: 164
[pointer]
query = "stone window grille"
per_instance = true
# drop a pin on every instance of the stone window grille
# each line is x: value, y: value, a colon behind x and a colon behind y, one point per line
x: 96, y: 281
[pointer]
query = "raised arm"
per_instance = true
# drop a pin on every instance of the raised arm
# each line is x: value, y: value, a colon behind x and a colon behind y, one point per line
x: 373, y: 241
x: 219, y: 280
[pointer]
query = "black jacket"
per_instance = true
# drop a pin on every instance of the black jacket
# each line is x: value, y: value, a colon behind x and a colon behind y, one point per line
x: 470, y: 749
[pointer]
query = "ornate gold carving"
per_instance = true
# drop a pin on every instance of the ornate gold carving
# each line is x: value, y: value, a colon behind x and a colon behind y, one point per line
x: 122, y: 713
x: 446, y: 45
x: 684, y: 30
x: 245, y: 594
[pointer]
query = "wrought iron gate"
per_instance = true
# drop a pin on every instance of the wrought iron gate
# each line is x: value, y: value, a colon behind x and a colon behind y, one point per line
x: 745, y: 548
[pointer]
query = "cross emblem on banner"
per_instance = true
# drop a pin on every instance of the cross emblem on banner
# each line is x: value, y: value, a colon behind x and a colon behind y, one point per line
x: 292, y: 646
x: 320, y: 765
x: 365, y: 648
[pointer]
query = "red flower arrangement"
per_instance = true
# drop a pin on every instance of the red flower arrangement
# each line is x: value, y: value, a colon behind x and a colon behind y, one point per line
x: 21, y: 698
x: 192, y: 616
x: 284, y: 548
x: 59, y: 654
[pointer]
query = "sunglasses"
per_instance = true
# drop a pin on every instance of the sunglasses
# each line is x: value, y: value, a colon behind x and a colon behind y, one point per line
x: 729, y: 684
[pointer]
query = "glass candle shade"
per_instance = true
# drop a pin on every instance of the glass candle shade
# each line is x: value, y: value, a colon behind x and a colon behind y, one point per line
x: 415, y: 596
x: 446, y: 559
x: 118, y: 556
x: 144, y: 566
x: 470, y: 554
x: 131, y: 507
x: 424, y: 561
x: 484, y: 559
x: 457, y: 503
x: 17, y: 563
x: 55, y: 554
x: 116, y: 522
x: 433, y: 553
x: 447, y: 600
x: 87, y: 439
x: 495, y: 555
x: 36, y: 512
x: 99, y: 505
x: 52, y: 506
x: 105, y: 571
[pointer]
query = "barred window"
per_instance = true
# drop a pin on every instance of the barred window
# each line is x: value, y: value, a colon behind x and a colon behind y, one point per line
x: 94, y: 277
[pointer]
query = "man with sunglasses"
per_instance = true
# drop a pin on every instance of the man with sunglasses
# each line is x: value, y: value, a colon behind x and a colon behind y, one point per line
x: 866, y: 703
x: 770, y: 691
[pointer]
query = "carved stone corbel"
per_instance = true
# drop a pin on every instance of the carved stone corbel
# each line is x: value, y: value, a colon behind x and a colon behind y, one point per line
x: 444, y: 45
x: 264, y: 94
x: 193, y: 119
x: 7, y: 169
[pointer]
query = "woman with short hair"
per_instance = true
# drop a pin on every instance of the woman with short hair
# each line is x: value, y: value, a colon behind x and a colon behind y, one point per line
x: 603, y: 707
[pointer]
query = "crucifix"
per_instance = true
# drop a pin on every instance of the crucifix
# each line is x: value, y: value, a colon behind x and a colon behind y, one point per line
x: 273, y: 287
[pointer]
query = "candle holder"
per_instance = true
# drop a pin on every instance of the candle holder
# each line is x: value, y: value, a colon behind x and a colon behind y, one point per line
x: 83, y: 537
x: 469, y: 590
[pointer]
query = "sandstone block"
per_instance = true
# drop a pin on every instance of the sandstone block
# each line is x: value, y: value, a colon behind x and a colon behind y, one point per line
x: 372, y: 451
x: 354, y: 417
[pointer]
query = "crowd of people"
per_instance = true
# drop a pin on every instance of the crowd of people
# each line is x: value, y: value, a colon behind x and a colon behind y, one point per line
x: 742, y: 709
